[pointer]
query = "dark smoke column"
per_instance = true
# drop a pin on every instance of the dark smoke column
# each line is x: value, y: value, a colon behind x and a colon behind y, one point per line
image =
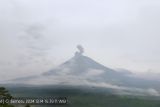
x: 81, y: 49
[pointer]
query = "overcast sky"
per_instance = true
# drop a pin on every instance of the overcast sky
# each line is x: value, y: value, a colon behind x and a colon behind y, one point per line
x: 37, y: 35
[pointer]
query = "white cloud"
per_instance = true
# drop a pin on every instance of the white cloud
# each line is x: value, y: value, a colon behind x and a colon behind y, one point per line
x: 153, y: 92
x: 118, y: 33
x: 65, y: 77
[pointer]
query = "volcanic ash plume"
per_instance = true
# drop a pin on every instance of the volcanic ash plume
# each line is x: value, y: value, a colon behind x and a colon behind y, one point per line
x: 81, y: 49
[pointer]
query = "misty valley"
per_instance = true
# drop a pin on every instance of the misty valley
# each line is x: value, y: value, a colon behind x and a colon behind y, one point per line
x: 81, y: 96
x: 84, y: 83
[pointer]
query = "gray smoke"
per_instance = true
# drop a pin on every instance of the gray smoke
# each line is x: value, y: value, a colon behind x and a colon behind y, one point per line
x: 81, y: 49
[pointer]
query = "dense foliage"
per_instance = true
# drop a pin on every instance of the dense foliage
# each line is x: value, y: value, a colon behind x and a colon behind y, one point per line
x: 4, y: 94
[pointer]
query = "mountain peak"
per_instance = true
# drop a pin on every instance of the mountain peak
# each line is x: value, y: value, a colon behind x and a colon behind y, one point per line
x: 79, y: 64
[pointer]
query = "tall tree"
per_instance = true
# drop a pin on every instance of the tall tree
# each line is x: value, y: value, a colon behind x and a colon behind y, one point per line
x: 4, y: 94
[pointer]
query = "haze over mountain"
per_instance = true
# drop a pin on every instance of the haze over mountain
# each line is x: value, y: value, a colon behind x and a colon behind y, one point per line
x: 81, y: 70
x: 119, y: 34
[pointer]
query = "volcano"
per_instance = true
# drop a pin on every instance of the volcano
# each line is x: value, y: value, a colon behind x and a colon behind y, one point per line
x: 81, y: 70
x: 83, y: 67
x: 80, y: 64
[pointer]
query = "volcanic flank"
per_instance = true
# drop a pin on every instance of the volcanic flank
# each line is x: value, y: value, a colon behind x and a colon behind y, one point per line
x: 80, y: 64
x: 81, y: 70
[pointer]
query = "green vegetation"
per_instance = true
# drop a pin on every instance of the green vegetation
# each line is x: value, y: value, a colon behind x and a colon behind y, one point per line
x: 84, y: 97
x: 110, y: 101
x: 4, y: 94
x: 27, y: 105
